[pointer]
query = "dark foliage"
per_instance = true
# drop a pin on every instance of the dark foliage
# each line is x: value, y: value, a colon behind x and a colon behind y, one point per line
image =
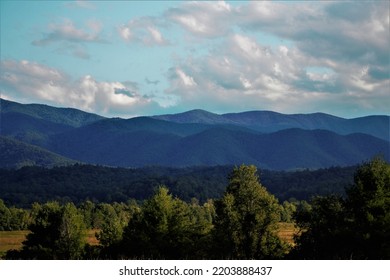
x: 240, y: 225
x: 246, y: 219
x: 16, y: 154
x: 56, y: 232
x: 78, y: 183
x: 357, y: 227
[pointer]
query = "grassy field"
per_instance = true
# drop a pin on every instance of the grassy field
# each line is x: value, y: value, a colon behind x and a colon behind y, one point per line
x: 13, y: 239
x: 286, y: 232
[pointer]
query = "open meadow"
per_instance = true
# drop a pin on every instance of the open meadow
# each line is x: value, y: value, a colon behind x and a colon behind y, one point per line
x: 286, y: 232
x: 12, y: 240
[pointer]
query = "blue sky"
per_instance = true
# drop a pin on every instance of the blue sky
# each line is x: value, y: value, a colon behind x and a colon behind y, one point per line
x: 130, y: 58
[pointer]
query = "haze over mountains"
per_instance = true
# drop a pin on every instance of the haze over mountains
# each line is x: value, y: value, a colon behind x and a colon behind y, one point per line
x: 58, y: 136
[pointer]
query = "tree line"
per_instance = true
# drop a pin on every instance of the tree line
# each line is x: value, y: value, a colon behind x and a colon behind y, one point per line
x: 242, y: 224
x: 79, y: 183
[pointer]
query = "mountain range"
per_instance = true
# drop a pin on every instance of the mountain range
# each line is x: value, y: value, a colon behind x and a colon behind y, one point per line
x: 43, y: 135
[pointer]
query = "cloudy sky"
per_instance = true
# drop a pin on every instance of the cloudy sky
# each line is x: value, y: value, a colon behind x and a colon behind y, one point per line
x: 129, y: 58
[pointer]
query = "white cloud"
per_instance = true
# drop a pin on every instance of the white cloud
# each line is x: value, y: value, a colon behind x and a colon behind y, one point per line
x: 286, y: 56
x: 186, y: 80
x: 204, y: 19
x: 104, y: 96
x: 125, y: 33
x: 283, y: 50
x: 26, y: 77
x: 143, y: 30
x: 341, y: 31
x: 245, y: 82
x: 240, y: 72
x: 156, y: 35
x: 249, y: 48
x: 40, y: 83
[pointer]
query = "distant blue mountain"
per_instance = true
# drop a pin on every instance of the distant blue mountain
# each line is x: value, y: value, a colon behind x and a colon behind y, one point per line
x: 14, y: 154
x: 63, y: 116
x: 267, y: 139
x: 267, y: 121
x: 285, y: 149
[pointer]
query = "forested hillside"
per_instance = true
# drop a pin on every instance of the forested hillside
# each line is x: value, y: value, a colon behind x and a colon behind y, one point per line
x: 16, y: 154
x: 266, y: 139
x: 78, y: 183
x: 243, y: 223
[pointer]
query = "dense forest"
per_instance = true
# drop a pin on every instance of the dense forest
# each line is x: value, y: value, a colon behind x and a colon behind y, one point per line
x: 241, y: 224
x: 78, y: 183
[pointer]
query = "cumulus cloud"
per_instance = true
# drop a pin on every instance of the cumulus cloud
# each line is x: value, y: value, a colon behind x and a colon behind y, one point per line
x: 26, y: 77
x: 284, y: 56
x: 205, y: 19
x: 243, y: 74
x: 322, y: 54
x: 143, y: 30
x: 184, y: 79
x: 41, y: 83
x: 342, y: 31
x: 336, y: 56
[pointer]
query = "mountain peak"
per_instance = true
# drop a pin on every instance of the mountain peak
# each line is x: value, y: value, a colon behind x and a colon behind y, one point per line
x: 193, y: 116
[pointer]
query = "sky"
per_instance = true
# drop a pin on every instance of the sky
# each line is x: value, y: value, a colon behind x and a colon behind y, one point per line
x: 132, y: 58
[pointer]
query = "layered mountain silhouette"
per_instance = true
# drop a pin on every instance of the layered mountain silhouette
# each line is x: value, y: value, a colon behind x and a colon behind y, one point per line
x: 14, y: 154
x: 267, y: 139
x: 267, y: 121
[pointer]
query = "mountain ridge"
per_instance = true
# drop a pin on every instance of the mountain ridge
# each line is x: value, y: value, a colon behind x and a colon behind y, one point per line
x: 15, y: 154
x: 66, y: 116
x: 197, y: 137
x: 285, y: 149
x: 269, y: 121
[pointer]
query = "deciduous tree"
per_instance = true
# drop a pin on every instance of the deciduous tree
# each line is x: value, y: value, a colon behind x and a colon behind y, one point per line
x: 167, y: 228
x: 247, y: 217
x: 57, y: 232
x: 357, y: 227
x: 369, y: 203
